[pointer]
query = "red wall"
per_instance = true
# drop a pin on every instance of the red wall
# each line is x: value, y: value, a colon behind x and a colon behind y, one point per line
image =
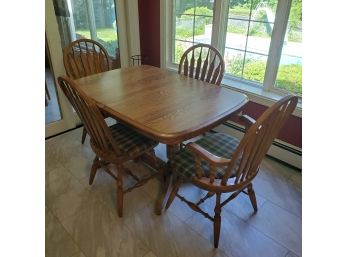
x: 292, y: 130
x: 149, y: 26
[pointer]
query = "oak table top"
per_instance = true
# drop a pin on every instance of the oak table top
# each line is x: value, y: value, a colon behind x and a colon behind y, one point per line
x: 160, y: 103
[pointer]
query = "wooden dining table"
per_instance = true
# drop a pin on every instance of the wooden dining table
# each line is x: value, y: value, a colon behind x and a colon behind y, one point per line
x: 161, y: 104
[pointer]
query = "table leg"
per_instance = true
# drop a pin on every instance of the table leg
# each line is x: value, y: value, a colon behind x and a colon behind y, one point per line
x: 166, y: 183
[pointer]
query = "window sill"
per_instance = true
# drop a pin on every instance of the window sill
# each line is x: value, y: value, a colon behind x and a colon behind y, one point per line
x: 257, y: 94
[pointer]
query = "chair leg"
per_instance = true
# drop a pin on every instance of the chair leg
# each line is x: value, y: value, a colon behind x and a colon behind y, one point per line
x: 94, y: 168
x: 84, y: 134
x: 173, y: 193
x: 217, y: 220
x: 252, y: 196
x: 119, y: 183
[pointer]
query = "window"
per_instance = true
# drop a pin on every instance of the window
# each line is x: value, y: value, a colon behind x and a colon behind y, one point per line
x: 93, y: 19
x: 193, y: 24
x: 259, y: 39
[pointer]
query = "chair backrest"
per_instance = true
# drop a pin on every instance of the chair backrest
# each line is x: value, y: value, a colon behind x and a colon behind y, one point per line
x: 85, y: 57
x: 257, y: 140
x: 90, y: 115
x: 203, y: 62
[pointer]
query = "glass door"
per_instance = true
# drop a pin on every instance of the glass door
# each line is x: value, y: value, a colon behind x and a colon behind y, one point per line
x: 66, y: 21
x: 92, y: 19
x: 59, y: 115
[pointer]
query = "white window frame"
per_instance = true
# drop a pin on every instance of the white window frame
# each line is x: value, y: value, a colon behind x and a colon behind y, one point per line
x: 267, y: 92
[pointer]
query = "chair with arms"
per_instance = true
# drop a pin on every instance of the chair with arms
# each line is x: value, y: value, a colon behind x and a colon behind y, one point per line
x: 220, y: 163
x: 203, y: 62
x: 84, y: 57
x: 116, y: 144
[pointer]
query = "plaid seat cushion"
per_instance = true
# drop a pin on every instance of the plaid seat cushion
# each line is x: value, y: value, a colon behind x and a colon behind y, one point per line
x: 219, y: 144
x: 130, y: 141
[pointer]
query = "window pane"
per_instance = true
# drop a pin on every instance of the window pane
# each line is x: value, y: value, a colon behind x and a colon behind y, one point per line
x: 203, y: 26
x: 259, y: 37
x: 236, y: 34
x: 254, y: 67
x: 180, y: 48
x: 234, y: 62
x: 193, y: 24
x: 184, y: 27
x: 97, y: 23
x: 204, y: 7
x: 264, y: 10
x: 105, y: 21
x: 249, y: 29
x: 289, y: 75
x: 182, y: 5
x: 239, y: 9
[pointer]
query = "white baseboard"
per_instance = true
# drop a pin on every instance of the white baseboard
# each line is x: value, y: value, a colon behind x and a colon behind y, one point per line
x: 279, y: 150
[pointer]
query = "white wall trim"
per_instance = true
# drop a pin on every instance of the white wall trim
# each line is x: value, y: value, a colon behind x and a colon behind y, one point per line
x: 133, y: 35
x: 122, y: 33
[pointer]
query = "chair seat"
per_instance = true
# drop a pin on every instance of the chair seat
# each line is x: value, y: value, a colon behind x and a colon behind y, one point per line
x: 129, y: 141
x: 219, y: 144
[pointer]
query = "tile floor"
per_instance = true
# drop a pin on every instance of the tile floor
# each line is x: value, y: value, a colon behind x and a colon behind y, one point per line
x: 81, y: 220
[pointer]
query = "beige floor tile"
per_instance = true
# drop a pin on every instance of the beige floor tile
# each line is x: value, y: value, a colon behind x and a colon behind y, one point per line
x: 237, y: 238
x: 65, y: 148
x: 150, y: 254
x: 167, y: 236
x: 57, y: 241
x: 79, y: 165
x: 152, y: 188
x: 241, y: 205
x: 291, y: 254
x: 272, y: 169
x: 281, y: 193
x: 58, y: 173
x: 67, y: 196
x: 80, y: 254
x: 89, y: 213
x: 99, y: 233
x: 104, y: 186
x: 279, y: 225
x: 296, y: 181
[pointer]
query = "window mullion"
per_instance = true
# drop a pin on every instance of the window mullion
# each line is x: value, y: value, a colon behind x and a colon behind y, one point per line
x: 276, y: 45
x: 219, y: 28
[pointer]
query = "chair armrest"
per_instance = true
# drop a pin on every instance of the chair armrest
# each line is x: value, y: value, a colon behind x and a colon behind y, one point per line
x: 247, y: 120
x: 206, y: 155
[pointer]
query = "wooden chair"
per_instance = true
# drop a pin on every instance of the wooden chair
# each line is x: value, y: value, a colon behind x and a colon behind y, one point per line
x: 204, y: 62
x: 220, y: 163
x: 116, y: 144
x: 85, y: 57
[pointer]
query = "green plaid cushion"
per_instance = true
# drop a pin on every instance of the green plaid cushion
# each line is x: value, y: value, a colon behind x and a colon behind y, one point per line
x: 130, y: 141
x: 219, y: 144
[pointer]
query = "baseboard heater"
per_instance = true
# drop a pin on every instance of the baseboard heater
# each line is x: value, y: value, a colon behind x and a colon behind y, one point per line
x: 281, y: 151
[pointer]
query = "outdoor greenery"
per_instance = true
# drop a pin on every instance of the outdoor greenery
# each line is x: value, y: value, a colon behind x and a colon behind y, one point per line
x: 289, y: 76
x: 106, y: 36
x: 185, y: 22
x: 179, y: 51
